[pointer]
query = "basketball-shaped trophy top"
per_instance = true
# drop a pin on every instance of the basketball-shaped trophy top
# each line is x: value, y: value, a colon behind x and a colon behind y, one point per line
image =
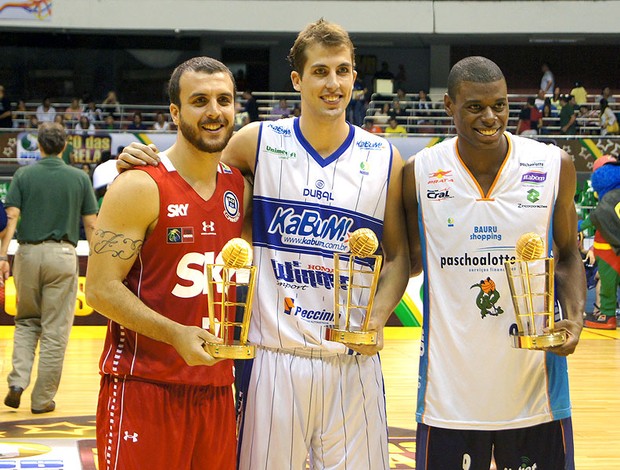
x: 530, y: 246
x: 363, y: 242
x: 237, y: 253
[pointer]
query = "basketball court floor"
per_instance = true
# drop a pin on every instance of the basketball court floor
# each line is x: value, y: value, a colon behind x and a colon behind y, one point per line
x: 65, y: 438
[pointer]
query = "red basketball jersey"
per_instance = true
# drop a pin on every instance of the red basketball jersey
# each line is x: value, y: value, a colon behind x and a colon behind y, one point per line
x: 169, y: 276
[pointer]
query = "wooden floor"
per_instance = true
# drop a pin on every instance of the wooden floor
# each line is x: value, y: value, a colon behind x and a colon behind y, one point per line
x: 594, y: 373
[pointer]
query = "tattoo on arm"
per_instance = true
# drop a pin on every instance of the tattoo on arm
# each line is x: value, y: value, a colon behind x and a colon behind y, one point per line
x: 116, y: 244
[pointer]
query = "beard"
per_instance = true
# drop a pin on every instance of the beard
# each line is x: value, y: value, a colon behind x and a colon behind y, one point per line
x: 192, y: 135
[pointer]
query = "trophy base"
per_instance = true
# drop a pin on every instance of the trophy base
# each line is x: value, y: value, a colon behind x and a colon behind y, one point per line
x: 351, y: 337
x: 550, y: 340
x: 231, y: 351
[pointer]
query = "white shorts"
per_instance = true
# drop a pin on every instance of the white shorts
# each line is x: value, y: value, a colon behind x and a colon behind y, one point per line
x: 297, y: 404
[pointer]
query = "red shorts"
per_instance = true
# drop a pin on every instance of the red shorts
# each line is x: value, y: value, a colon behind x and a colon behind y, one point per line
x: 164, y: 426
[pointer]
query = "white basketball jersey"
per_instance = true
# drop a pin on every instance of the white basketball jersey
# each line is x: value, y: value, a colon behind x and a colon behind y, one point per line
x: 470, y: 376
x: 305, y: 206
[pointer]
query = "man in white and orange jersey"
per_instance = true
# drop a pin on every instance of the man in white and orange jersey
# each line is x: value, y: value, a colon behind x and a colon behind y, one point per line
x: 467, y: 200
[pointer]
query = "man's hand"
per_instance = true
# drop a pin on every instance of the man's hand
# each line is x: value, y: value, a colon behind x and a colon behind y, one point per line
x: 189, y: 343
x: 573, y: 331
x: 137, y: 154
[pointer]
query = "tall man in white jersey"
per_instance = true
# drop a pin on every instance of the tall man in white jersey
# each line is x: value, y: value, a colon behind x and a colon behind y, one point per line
x: 317, y: 178
x: 467, y: 202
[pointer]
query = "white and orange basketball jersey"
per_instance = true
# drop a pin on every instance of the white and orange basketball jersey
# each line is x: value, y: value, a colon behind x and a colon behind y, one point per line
x: 470, y: 376
x: 305, y: 206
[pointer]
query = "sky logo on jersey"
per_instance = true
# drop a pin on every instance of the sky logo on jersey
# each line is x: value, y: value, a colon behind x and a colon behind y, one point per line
x: 179, y: 235
x: 440, y: 176
x: 282, y: 154
x: 232, y: 211
x: 177, y: 210
x: 534, y: 177
x: 368, y: 145
x: 280, y: 130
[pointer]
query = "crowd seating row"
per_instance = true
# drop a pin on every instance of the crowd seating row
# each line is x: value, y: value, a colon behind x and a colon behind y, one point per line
x: 433, y: 120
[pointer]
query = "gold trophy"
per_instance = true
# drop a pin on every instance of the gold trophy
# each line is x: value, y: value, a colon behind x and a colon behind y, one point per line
x: 362, y: 283
x: 230, y: 301
x: 531, y: 281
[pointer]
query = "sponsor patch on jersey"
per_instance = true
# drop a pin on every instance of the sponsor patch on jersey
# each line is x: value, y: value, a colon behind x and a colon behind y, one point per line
x: 280, y: 130
x: 225, y: 169
x: 208, y: 228
x: 176, y: 235
x: 364, y: 168
x: 232, y: 210
x: 318, y: 192
x: 485, y: 233
x: 438, y: 194
x: 533, y: 196
x: 177, y: 210
x: 370, y: 145
x: 322, y: 316
x: 282, y: 154
x: 534, y: 177
x: 440, y: 176
x: 487, y: 298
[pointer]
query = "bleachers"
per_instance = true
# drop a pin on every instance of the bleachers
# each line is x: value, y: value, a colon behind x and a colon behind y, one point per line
x: 413, y: 122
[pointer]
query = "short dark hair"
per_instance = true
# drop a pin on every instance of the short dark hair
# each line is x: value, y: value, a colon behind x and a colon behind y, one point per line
x: 320, y: 32
x: 51, y: 138
x: 197, y: 64
x: 475, y: 69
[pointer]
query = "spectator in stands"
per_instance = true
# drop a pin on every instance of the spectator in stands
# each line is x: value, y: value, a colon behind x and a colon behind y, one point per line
x: 60, y: 119
x: 84, y: 126
x: 92, y: 112
x: 529, y: 119
x: 296, y: 110
x: 136, y: 123
x: 606, y: 93
x: 73, y: 112
x: 33, y: 122
x: 396, y: 109
x: 586, y: 120
x: 282, y: 110
x: 383, y: 114
x: 20, y: 115
x: 45, y: 111
x: 394, y: 128
x: 568, y: 119
x: 539, y: 102
x: 370, y: 126
x: 549, y: 117
x: 423, y: 109
x: 109, y: 123
x: 161, y: 123
x: 111, y: 105
x: 250, y: 106
x: 401, y: 94
x: 607, y: 118
x: 6, y: 114
x: 547, y: 82
x: 579, y: 93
